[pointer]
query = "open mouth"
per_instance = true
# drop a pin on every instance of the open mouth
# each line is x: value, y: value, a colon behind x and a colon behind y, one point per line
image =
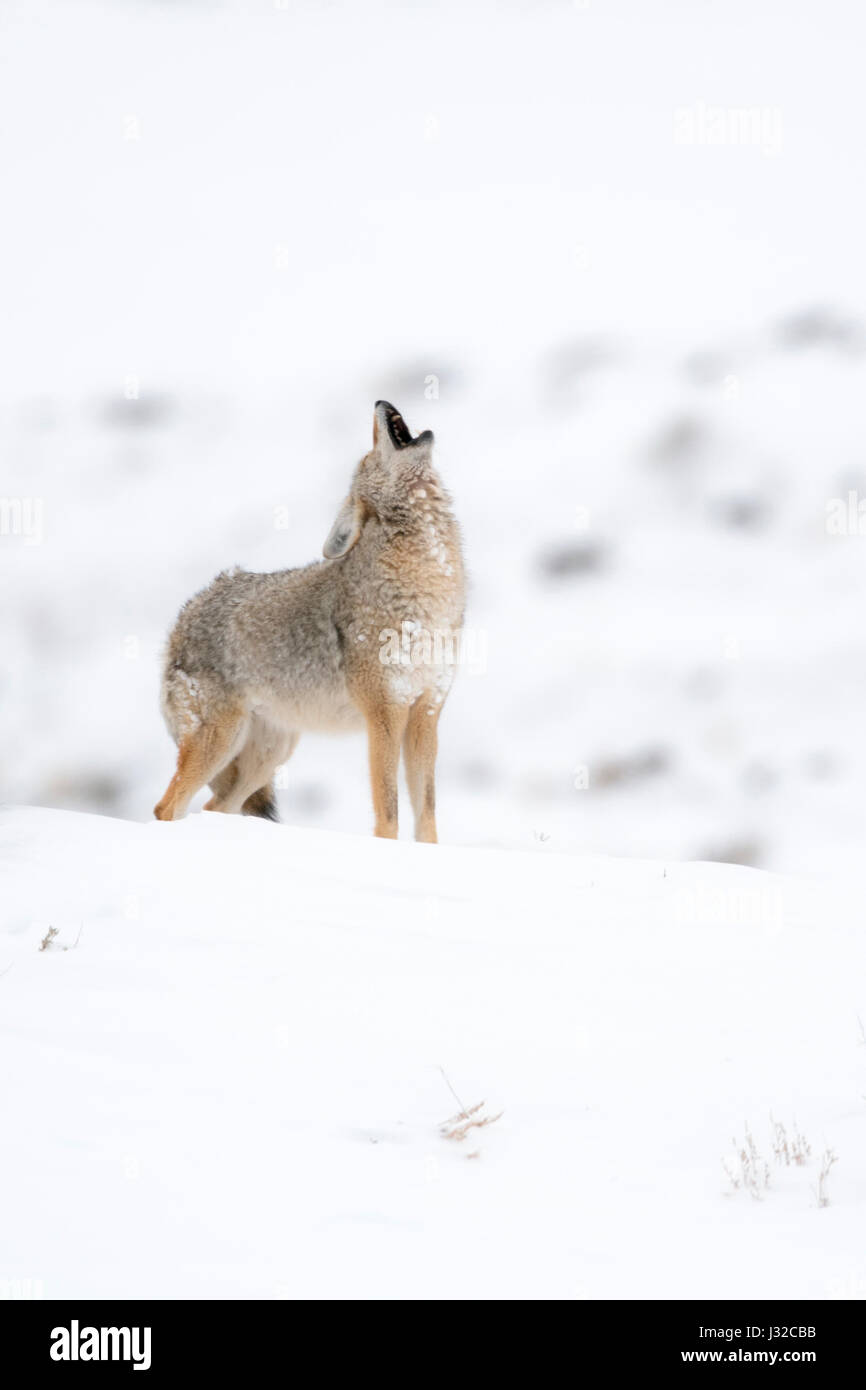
x: 398, y: 430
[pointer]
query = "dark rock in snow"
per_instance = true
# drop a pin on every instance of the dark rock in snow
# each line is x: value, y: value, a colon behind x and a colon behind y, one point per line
x: 572, y: 559
x: 146, y: 411
x: 821, y: 327
x: 744, y: 851
x: 633, y: 767
x: 678, y: 447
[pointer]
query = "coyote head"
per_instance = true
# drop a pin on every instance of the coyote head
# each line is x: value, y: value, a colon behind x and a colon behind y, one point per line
x: 383, y: 479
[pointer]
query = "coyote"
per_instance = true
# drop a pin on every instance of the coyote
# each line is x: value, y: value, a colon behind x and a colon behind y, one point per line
x: 256, y: 659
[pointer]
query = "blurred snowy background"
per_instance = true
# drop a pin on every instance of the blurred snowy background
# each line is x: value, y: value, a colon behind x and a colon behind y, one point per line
x: 610, y: 252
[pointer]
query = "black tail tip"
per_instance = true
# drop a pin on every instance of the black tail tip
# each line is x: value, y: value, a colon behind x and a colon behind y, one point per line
x: 262, y: 804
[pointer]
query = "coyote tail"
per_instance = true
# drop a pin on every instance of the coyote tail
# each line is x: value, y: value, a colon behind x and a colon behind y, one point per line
x: 262, y: 803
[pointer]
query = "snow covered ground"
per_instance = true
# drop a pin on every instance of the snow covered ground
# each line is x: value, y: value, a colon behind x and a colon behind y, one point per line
x: 225, y: 1074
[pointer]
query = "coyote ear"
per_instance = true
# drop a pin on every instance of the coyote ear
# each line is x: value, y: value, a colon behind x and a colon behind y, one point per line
x: 344, y: 532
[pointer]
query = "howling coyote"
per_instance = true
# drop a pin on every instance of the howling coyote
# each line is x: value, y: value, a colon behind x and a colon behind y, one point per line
x: 255, y: 659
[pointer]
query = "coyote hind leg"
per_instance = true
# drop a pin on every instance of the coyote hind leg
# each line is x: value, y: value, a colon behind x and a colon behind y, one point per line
x: 203, y: 752
x: 222, y: 783
x: 261, y: 803
x: 238, y: 787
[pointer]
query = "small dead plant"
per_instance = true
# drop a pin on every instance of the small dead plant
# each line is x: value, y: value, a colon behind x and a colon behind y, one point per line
x: 747, y: 1171
x: 50, y: 939
x: 468, y: 1118
x: 787, y: 1149
x: 822, y: 1195
x: 458, y: 1127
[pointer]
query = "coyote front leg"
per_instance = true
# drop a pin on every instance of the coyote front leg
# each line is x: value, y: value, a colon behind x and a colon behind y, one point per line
x: 419, y: 757
x: 385, y: 725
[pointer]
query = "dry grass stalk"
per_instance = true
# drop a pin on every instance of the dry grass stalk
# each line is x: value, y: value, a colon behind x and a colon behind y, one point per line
x: 751, y: 1172
x: 795, y: 1149
x: 459, y: 1126
x: 52, y: 932
x: 828, y: 1158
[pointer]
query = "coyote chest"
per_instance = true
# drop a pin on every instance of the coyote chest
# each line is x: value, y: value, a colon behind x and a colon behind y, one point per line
x: 407, y: 640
